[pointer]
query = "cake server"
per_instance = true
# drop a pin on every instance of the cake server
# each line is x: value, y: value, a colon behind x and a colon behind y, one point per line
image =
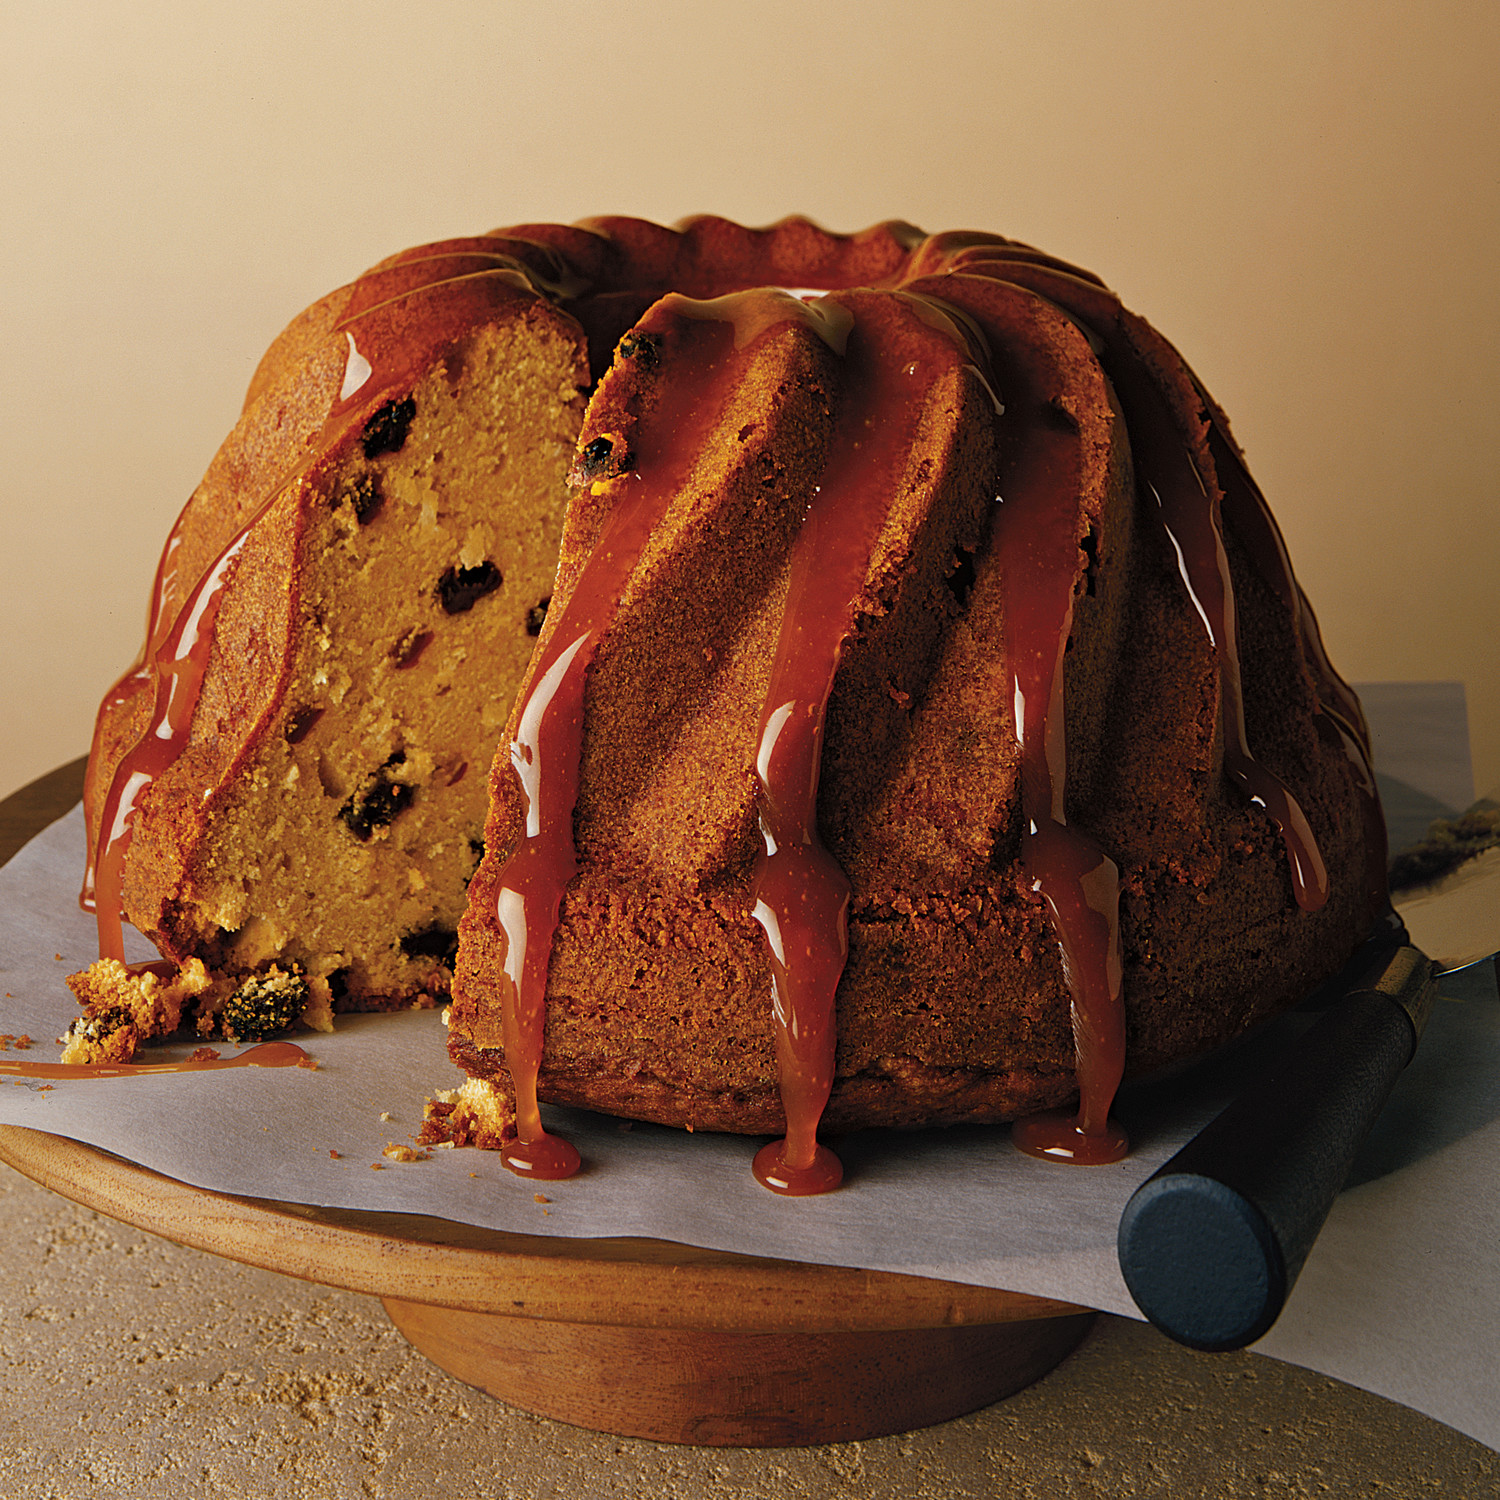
x: 1211, y: 1245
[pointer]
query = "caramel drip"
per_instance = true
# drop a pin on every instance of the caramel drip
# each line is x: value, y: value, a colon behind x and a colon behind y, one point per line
x: 266, y: 1055
x: 1079, y: 883
x: 393, y: 284
x: 801, y: 894
x: 705, y: 347
x: 1035, y: 540
x: 178, y: 645
x: 177, y: 666
x: 136, y: 682
x: 1261, y: 537
x: 752, y: 314
x: 1189, y: 516
x: 1189, y: 512
x: 976, y: 253
x: 1343, y: 718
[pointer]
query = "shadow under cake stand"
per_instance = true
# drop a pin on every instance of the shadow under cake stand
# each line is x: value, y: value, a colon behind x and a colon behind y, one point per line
x: 638, y: 1337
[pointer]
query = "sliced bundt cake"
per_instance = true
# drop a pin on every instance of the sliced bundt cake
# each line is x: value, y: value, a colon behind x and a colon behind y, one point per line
x: 923, y: 723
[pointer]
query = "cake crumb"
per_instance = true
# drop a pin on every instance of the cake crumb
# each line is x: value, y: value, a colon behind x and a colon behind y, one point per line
x: 124, y: 1005
x: 405, y: 1153
x: 335, y: 1155
x: 203, y: 1054
x: 477, y: 1114
x: 541, y: 1197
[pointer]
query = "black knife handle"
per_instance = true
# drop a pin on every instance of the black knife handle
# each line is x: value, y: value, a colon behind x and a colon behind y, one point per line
x: 1212, y: 1244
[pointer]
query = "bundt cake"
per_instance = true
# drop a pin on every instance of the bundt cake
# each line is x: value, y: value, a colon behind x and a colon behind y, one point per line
x: 923, y: 722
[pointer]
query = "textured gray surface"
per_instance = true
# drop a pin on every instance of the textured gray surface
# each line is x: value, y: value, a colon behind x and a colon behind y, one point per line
x: 130, y: 1366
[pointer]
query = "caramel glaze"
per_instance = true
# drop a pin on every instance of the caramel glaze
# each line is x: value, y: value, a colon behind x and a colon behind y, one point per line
x: 605, y: 271
x: 1034, y: 541
x: 177, y: 667
x: 546, y: 751
x: 1341, y: 718
x: 708, y: 343
x: 134, y: 684
x: 1079, y: 882
x: 1183, y: 486
x: 801, y: 895
x: 266, y: 1055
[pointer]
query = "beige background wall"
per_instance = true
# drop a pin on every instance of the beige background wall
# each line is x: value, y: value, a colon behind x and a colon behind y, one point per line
x: 1302, y: 196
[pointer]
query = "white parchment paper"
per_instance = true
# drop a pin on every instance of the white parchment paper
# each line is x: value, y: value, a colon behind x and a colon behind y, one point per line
x: 1401, y: 1295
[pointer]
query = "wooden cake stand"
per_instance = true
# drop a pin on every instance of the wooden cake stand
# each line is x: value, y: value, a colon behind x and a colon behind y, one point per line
x: 637, y: 1337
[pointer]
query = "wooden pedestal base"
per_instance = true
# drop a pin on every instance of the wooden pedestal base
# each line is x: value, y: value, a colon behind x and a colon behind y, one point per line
x: 643, y: 1338
x: 742, y: 1389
